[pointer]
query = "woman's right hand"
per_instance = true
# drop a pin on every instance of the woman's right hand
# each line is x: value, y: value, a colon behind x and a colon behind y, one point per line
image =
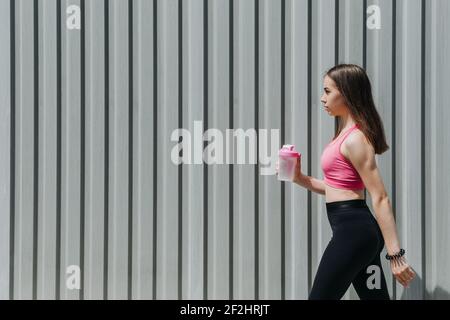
x: 298, y: 171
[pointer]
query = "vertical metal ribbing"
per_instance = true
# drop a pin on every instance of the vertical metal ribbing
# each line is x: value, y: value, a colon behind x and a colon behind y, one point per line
x: 106, y: 186
x: 257, y: 144
x: 205, y: 167
x: 35, y: 145
x: 231, y: 175
x: 336, y: 32
x: 180, y: 167
x: 155, y: 138
x: 83, y: 145
x: 12, y: 147
x: 58, y: 151
x: 130, y: 150
x: 423, y: 155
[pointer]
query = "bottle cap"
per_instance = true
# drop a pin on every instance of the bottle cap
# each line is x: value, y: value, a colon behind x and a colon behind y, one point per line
x: 288, y: 150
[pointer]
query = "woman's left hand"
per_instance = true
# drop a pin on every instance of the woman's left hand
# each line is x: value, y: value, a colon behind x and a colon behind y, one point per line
x: 402, y: 271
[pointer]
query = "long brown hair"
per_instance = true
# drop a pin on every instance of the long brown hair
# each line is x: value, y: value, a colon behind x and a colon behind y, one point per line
x: 354, y: 85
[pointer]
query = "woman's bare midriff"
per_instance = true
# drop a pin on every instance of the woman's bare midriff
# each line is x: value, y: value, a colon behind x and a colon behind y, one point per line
x: 333, y: 194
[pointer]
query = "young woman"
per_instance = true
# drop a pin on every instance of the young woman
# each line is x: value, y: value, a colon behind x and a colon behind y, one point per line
x: 348, y: 162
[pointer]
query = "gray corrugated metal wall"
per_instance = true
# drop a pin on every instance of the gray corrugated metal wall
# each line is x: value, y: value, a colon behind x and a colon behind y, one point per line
x: 86, y: 121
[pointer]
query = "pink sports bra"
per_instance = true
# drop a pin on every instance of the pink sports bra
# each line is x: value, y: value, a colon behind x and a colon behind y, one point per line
x: 338, y: 171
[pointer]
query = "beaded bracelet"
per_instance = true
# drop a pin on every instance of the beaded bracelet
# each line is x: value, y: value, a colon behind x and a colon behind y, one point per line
x: 396, y: 256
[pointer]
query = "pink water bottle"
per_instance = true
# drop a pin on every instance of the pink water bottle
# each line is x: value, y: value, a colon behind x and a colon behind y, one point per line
x: 286, y: 163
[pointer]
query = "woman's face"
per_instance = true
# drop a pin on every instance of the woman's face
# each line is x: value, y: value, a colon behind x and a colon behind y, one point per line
x: 332, y: 99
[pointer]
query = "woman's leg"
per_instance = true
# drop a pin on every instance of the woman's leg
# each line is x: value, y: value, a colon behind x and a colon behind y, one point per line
x: 350, y: 250
x: 336, y: 271
x: 370, y: 283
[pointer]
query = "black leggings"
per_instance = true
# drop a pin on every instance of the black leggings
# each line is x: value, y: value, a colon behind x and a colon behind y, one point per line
x: 355, y: 246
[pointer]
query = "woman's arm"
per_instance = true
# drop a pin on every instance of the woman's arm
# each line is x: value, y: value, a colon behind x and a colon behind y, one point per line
x: 386, y: 221
x: 311, y: 183
x: 362, y: 155
x: 307, y: 182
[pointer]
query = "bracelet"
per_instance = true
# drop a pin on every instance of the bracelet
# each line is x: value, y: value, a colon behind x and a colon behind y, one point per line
x: 399, y: 254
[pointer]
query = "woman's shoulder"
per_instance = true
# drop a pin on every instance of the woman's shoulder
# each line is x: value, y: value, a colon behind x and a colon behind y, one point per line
x: 357, y: 137
x: 356, y: 140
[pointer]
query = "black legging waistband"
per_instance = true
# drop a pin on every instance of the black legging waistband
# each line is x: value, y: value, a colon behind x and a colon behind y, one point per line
x: 354, y: 203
